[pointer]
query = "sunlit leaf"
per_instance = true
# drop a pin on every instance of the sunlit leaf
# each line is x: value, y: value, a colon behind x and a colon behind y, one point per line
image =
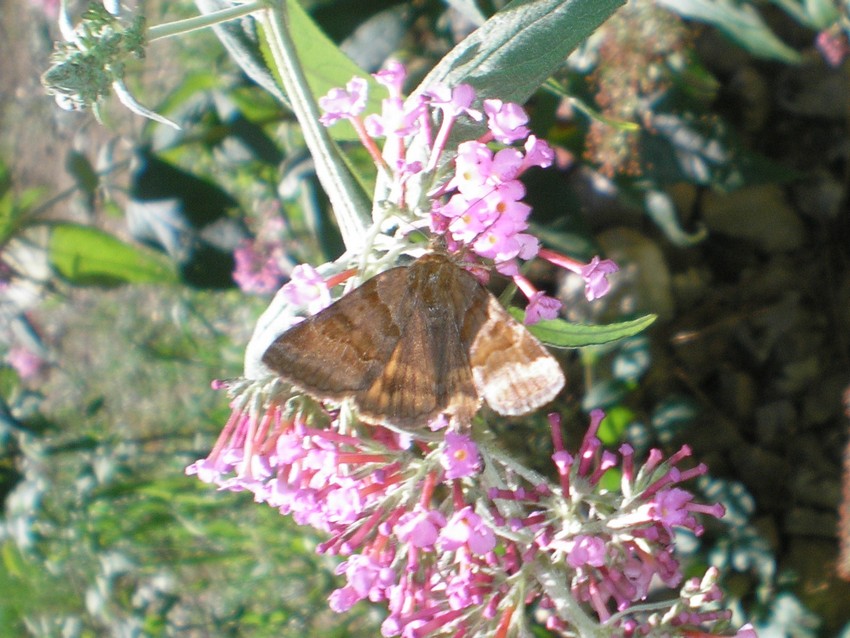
x: 563, y: 334
x: 14, y: 210
x: 326, y: 66
x: 513, y: 53
x: 88, y: 256
x: 616, y: 420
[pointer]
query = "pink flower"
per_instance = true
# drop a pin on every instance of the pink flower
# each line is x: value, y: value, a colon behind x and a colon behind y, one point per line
x: 255, y: 270
x: 344, y: 103
x: 467, y: 528
x: 563, y: 461
x: 366, y: 579
x: 392, y: 77
x: 472, y: 167
x: 499, y: 241
x: 595, y: 275
x: 529, y: 246
x: 397, y: 119
x: 343, y: 599
x: 420, y: 527
x: 669, y: 507
x: 587, y: 550
x: 506, y: 120
x: 207, y: 470
x: 507, y: 165
x: 460, y: 456
x: 833, y: 46
x: 506, y: 200
x: 453, y: 102
x: 461, y: 590
x: 25, y: 362
x: 541, y: 306
x: 537, y: 153
x: 306, y: 287
x: 468, y: 218
x: 495, y: 244
x: 344, y: 504
x: 290, y: 447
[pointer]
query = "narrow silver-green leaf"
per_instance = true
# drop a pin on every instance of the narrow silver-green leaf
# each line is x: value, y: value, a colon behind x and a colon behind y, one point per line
x: 740, y: 22
x: 243, y: 46
x: 350, y: 204
x: 563, y: 334
x: 514, y: 52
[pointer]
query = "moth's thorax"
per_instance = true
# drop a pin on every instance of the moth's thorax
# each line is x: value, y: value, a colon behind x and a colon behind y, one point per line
x: 432, y: 266
x: 440, y: 285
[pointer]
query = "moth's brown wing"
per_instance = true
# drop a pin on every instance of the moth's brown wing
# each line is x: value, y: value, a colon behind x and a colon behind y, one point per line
x: 428, y: 372
x: 513, y: 371
x: 426, y: 375
x: 342, y: 349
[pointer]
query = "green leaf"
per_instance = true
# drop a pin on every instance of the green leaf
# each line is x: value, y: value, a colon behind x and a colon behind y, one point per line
x: 79, y: 167
x: 345, y: 191
x: 194, y: 84
x: 563, y: 334
x: 613, y: 427
x: 660, y: 208
x: 11, y: 217
x: 611, y: 480
x: 582, y: 107
x: 241, y: 43
x: 14, y: 207
x: 327, y: 67
x: 708, y: 153
x: 324, y: 63
x: 255, y: 104
x: 12, y: 560
x: 514, y: 52
x: 88, y: 256
x: 741, y: 23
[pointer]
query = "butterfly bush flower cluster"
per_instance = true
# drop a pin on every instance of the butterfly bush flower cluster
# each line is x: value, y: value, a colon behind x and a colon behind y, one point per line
x: 259, y: 262
x: 478, y: 207
x: 427, y: 531
x: 451, y: 535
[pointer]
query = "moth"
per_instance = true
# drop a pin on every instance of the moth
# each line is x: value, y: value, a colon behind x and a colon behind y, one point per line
x: 415, y: 342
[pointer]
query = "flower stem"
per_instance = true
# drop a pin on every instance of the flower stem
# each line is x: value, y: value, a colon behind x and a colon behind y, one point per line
x: 349, y: 202
x: 568, y: 608
x: 169, y: 29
